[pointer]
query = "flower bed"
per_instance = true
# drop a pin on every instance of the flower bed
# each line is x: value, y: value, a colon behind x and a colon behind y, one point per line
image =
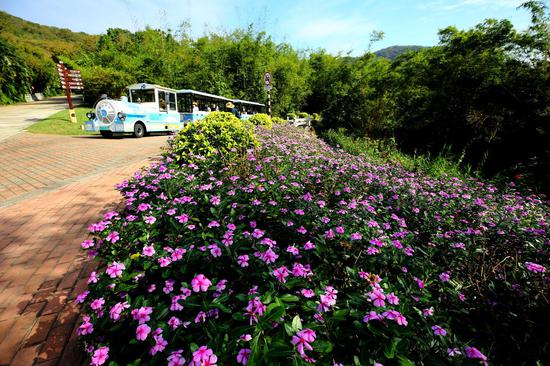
x: 299, y: 253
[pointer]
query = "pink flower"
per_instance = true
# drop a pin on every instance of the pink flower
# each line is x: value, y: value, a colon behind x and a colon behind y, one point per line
x: 372, y: 315
x: 117, y: 309
x: 215, y: 200
x: 439, y: 331
x: 377, y: 297
x: 534, y: 267
x: 112, y: 237
x: 87, y: 244
x: 255, y: 309
x: 142, y: 314
x: 303, y: 339
x: 309, y: 246
x: 93, y: 277
x: 445, y: 277
x: 150, y: 220
x: 428, y: 312
x: 472, y: 352
x: 308, y: 293
x: 242, y: 356
x: 115, y: 269
x: 86, y: 327
x: 174, y: 322
x: 204, y: 356
x: 281, y: 274
x: 142, y: 332
x: 148, y: 251
x: 242, y: 260
x: 392, y: 299
x: 100, y: 356
x: 356, y: 236
x: 200, y: 283
x: 175, y: 358
x: 183, y: 218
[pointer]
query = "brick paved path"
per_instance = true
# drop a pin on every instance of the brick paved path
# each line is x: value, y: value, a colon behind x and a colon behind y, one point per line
x: 55, y: 190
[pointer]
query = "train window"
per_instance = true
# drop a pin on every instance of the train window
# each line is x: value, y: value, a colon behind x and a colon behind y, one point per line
x: 162, y: 101
x: 142, y: 95
x: 171, y: 101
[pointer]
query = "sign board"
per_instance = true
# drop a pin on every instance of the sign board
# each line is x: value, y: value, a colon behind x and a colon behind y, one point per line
x: 267, y: 78
x: 70, y: 79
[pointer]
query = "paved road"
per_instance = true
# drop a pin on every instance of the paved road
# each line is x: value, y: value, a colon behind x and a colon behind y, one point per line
x: 17, y: 117
x: 51, y: 189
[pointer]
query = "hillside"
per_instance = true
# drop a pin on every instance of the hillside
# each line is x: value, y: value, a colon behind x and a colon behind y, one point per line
x: 35, y: 47
x: 393, y: 52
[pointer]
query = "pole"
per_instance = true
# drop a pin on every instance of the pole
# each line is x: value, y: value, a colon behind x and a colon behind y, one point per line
x: 269, y: 103
x: 72, y: 114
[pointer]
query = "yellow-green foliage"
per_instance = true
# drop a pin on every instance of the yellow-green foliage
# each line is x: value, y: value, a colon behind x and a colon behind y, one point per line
x: 261, y: 119
x: 221, y: 117
x: 279, y: 120
x: 219, y: 135
x: 303, y: 115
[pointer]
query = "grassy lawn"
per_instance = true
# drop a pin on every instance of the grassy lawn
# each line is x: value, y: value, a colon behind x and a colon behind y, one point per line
x: 59, y: 123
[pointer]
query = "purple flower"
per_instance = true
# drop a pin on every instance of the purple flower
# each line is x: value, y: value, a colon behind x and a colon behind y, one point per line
x: 534, y: 267
x: 142, y: 332
x: 438, y: 331
x: 242, y: 356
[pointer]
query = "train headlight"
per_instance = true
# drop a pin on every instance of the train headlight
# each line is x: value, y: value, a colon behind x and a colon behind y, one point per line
x: 121, y: 116
x: 89, y: 115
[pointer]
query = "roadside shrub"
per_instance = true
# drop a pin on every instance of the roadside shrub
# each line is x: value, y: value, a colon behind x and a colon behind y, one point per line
x: 279, y: 120
x: 291, y: 115
x: 221, y: 117
x: 317, y: 256
x: 303, y: 115
x: 261, y: 119
x: 315, y: 116
x: 218, y: 138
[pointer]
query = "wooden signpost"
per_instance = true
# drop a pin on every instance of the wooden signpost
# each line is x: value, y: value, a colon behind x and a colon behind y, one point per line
x: 70, y: 79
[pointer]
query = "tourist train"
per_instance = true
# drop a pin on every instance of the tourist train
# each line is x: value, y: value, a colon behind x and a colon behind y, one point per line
x: 153, y: 108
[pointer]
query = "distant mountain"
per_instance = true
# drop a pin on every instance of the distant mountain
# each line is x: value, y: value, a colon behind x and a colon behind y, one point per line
x: 394, y: 51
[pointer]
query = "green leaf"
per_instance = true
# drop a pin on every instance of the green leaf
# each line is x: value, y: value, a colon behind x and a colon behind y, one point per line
x: 296, y: 324
x: 341, y: 314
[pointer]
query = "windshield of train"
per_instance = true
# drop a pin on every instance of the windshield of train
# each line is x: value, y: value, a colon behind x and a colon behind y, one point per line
x: 142, y: 95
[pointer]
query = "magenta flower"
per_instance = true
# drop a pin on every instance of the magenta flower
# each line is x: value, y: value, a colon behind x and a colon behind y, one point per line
x: 242, y: 260
x: 115, y: 269
x: 86, y: 244
x: 438, y: 331
x: 372, y: 315
x: 474, y: 353
x: 445, y: 277
x: 100, y: 356
x: 117, y: 309
x: 392, y: 299
x: 534, y: 267
x: 148, y: 251
x: 255, y: 309
x: 242, y: 356
x: 215, y: 200
x: 176, y: 359
x: 308, y: 293
x: 150, y: 220
x: 112, y: 237
x: 142, y: 332
x: 377, y: 298
x: 281, y: 274
x: 204, y: 356
x: 142, y: 314
x: 200, y: 283
x: 356, y: 236
x: 303, y: 339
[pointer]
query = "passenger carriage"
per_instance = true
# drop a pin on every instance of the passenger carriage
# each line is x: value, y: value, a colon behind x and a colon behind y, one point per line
x: 153, y: 108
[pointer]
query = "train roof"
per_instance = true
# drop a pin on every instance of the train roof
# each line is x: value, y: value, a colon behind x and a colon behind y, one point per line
x: 240, y: 101
x: 196, y: 92
x: 150, y: 86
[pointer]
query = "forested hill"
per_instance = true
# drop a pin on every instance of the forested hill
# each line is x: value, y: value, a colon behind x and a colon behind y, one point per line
x: 393, y: 51
x: 30, y: 47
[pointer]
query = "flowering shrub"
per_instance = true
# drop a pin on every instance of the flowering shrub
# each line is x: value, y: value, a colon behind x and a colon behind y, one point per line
x: 261, y: 119
x: 304, y: 254
x: 219, y: 136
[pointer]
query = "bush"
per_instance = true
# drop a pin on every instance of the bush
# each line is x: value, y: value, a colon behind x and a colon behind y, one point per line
x: 218, y: 138
x: 315, y: 254
x: 291, y: 115
x: 261, y: 119
x: 315, y: 116
x: 99, y: 80
x: 303, y: 115
x: 279, y: 120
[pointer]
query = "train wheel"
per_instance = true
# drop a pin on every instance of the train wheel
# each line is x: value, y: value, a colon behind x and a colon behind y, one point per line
x: 139, y: 130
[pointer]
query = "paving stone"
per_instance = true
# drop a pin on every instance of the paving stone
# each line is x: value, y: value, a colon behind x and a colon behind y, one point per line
x: 40, y: 330
x: 26, y: 356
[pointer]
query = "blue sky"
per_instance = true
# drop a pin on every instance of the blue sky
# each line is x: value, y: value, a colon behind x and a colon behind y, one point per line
x: 337, y: 25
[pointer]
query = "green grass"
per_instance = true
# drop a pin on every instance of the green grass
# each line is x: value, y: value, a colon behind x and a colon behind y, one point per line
x: 60, y: 123
x: 387, y: 152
